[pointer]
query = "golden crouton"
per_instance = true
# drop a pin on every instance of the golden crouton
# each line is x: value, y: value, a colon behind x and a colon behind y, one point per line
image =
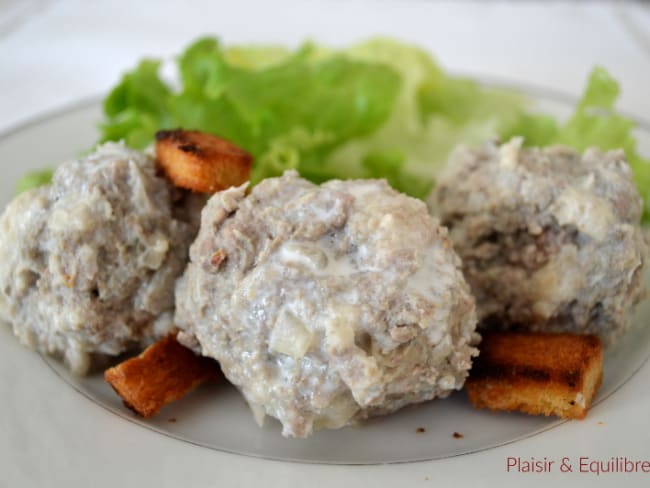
x: 536, y: 373
x: 163, y: 373
x: 201, y: 162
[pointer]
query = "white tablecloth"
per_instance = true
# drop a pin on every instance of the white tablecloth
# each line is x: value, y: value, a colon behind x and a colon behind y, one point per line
x: 56, y: 52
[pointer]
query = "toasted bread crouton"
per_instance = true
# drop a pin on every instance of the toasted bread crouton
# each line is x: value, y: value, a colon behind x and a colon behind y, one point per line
x: 163, y: 373
x: 201, y: 162
x: 536, y: 373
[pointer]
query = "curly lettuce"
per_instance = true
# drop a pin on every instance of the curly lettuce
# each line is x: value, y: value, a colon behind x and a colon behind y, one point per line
x: 378, y: 109
x: 290, y: 113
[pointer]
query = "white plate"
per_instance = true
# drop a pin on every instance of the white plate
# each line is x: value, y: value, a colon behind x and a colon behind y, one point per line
x: 217, y: 418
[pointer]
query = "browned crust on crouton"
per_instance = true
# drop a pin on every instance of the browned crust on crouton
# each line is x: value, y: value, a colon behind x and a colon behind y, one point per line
x: 165, y: 372
x: 537, y: 373
x: 201, y: 162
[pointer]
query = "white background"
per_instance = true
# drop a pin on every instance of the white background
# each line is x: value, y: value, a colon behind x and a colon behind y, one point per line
x: 56, y: 52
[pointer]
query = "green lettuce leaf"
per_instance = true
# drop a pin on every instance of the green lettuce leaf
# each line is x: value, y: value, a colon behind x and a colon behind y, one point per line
x: 433, y: 113
x: 289, y: 113
x: 34, y: 179
x: 137, y: 107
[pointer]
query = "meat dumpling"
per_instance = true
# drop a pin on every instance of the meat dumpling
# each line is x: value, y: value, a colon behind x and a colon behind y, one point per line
x: 327, y: 304
x: 550, y: 239
x: 88, y: 264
